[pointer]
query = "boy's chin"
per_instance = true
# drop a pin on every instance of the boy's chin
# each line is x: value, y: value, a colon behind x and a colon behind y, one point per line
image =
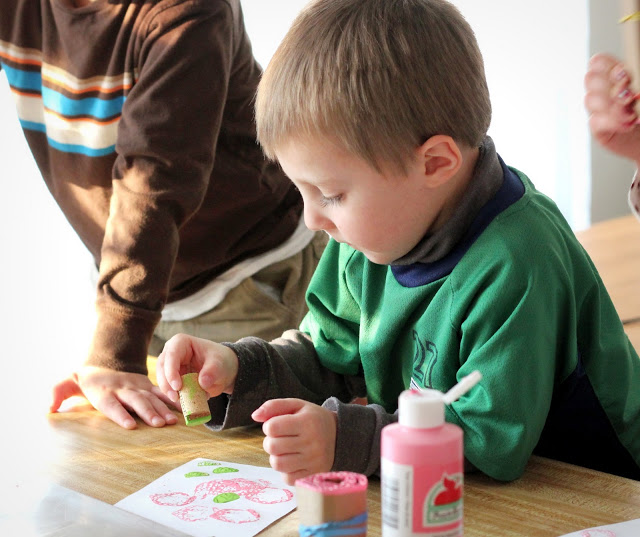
x: 378, y: 258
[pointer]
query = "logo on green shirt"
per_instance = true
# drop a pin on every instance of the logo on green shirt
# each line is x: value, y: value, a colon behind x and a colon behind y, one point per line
x: 424, y: 358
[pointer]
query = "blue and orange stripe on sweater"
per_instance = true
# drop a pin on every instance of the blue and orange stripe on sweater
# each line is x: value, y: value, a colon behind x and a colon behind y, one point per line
x: 77, y: 115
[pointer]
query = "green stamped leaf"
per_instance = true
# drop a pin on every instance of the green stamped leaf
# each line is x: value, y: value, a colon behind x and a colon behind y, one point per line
x: 226, y: 497
x: 195, y: 474
x: 224, y: 470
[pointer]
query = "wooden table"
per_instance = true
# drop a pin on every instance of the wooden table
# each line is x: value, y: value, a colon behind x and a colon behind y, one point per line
x: 85, y: 452
x: 614, y: 247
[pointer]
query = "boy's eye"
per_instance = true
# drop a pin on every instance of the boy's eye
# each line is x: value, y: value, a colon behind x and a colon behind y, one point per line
x: 333, y: 200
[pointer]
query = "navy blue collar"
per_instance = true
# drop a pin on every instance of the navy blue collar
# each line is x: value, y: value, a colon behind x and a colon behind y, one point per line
x: 418, y: 274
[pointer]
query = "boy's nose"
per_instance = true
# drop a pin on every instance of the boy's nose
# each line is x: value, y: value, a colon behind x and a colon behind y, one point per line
x: 315, y: 220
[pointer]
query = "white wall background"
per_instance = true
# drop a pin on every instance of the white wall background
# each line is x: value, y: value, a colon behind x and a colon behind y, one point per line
x: 535, y: 56
x: 46, y: 302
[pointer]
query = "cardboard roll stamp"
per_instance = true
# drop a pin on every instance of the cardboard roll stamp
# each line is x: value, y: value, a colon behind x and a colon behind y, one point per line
x: 332, y: 503
x: 194, y: 401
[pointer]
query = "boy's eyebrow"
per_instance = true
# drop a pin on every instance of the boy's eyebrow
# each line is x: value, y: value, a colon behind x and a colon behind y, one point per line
x: 320, y: 182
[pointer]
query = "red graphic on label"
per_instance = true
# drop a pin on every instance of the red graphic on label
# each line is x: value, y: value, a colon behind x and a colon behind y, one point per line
x: 452, y: 492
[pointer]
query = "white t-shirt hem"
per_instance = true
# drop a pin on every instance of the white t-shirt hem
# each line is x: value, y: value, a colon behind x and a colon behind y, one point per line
x: 216, y: 290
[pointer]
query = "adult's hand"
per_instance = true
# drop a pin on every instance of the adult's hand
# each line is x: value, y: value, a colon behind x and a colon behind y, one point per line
x: 117, y: 395
x: 610, y: 101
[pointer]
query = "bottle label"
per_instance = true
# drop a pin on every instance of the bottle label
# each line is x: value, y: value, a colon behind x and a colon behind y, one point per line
x: 421, y: 501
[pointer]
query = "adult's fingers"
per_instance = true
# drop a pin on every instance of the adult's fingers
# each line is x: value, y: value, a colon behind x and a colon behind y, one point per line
x: 64, y: 390
x: 107, y: 403
x: 146, y: 405
x: 603, y: 63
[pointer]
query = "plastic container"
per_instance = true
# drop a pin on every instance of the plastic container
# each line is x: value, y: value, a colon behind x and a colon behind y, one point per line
x: 422, y: 466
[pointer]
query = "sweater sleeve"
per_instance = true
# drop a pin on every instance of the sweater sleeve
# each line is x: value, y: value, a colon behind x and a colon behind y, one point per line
x: 285, y: 367
x: 289, y: 367
x: 518, y: 324
x: 358, y: 435
x: 165, y: 144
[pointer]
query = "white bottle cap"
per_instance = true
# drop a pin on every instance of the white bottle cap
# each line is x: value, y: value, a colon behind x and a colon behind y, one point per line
x: 424, y: 409
x: 421, y: 409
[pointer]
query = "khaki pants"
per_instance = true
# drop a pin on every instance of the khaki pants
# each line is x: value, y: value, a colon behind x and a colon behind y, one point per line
x: 247, y: 310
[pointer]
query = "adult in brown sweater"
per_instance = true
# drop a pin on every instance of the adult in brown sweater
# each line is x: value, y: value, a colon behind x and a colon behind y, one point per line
x: 139, y: 115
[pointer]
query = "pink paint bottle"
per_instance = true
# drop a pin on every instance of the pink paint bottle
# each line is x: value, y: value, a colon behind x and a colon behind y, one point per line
x: 422, y: 466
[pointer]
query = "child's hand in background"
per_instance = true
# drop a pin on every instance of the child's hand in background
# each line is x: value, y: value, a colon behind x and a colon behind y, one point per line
x: 300, y: 437
x: 216, y: 364
x: 610, y: 101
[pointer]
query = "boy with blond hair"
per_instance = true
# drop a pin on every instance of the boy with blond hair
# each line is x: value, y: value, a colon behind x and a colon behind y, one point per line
x: 442, y: 260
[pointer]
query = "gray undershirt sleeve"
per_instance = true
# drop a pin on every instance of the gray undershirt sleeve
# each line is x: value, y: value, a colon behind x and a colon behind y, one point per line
x: 285, y: 367
x: 358, y: 436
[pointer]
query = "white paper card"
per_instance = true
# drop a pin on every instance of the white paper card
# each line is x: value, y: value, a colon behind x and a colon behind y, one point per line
x: 622, y: 529
x: 209, y: 498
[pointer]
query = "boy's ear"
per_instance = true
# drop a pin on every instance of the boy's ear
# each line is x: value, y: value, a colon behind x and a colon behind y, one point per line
x: 441, y: 158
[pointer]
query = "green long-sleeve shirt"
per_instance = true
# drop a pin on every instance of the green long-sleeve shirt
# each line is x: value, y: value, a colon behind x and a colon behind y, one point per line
x: 516, y: 298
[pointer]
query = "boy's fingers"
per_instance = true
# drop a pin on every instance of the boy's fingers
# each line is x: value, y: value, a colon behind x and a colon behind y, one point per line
x: 168, y: 393
x: 291, y: 478
x: 161, y: 379
x: 213, y: 377
x: 283, y: 445
x: 209, y: 375
x: 177, y: 351
x: 288, y: 464
x: 277, y: 407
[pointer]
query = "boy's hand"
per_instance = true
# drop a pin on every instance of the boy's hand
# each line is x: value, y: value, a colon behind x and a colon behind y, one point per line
x: 216, y: 364
x: 300, y: 437
x: 610, y: 101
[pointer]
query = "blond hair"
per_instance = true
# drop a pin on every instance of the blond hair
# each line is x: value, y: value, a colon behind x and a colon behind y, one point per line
x: 378, y: 77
